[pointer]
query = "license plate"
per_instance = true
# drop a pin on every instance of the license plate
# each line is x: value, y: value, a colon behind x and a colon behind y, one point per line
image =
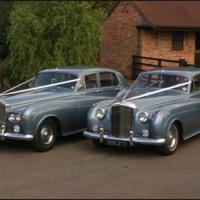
x: 117, y: 143
x: 2, y: 138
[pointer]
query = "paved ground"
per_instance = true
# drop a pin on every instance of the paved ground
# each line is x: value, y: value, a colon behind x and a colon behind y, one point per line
x: 75, y: 169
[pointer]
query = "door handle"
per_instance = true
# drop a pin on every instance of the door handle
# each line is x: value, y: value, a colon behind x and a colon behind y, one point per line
x: 99, y: 91
x: 118, y: 88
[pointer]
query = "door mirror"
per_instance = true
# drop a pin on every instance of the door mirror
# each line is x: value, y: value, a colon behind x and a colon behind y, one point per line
x: 80, y: 87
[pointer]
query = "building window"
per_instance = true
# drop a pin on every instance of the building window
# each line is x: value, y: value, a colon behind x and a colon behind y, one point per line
x: 198, y: 41
x: 177, y: 40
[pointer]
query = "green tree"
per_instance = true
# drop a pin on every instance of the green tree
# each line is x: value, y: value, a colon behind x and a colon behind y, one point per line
x: 106, y: 5
x: 49, y: 34
x: 5, y: 7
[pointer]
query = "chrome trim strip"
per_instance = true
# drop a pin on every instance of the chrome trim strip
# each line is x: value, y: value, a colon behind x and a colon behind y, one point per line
x: 16, y: 136
x: 149, y: 141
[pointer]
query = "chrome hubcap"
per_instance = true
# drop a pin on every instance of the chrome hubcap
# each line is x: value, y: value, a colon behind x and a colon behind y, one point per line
x: 173, y: 137
x: 47, y: 134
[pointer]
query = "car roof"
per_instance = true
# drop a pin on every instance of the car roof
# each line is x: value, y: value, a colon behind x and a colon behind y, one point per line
x: 184, y: 71
x: 79, y: 69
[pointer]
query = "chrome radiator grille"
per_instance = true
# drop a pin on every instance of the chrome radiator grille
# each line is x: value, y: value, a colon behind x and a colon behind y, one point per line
x: 2, y: 114
x: 121, y: 121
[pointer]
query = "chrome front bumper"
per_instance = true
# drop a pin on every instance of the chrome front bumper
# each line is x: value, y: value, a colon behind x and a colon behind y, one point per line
x: 103, y: 137
x: 15, y: 136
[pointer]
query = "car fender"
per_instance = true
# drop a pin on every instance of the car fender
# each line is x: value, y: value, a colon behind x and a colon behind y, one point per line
x: 47, y: 117
x: 161, y: 121
x: 168, y: 124
x: 34, y: 118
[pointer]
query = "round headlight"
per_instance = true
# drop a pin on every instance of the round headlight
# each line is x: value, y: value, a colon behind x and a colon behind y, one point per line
x: 95, y: 128
x: 11, y: 117
x: 143, y: 117
x: 18, y: 117
x: 100, y: 113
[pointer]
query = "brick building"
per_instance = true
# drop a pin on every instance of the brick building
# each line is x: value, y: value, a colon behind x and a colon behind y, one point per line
x: 155, y: 29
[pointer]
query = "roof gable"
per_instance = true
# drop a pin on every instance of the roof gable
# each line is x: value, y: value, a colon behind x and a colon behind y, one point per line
x: 167, y: 14
x: 179, y: 14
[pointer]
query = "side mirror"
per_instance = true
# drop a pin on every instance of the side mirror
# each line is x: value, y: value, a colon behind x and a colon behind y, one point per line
x: 184, y: 89
x: 80, y: 87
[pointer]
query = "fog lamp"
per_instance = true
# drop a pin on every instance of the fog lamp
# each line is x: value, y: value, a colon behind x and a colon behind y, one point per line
x: 16, y: 129
x: 95, y: 128
x: 145, y: 133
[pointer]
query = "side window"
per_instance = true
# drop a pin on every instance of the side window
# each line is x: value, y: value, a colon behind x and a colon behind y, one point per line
x: 91, y: 81
x: 177, y: 40
x: 108, y: 79
x: 195, y: 84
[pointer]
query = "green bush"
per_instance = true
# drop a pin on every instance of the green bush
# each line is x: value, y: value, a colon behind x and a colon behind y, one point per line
x: 50, y: 34
x: 5, y: 7
x: 106, y: 5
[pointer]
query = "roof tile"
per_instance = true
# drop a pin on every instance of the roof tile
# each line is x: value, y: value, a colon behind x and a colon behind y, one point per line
x: 179, y: 14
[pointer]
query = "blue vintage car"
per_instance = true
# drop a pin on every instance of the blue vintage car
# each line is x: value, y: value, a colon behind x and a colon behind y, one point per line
x: 162, y: 108
x: 41, y: 115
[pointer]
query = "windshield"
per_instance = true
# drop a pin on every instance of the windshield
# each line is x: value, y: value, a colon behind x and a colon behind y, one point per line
x: 47, y: 78
x: 160, y: 82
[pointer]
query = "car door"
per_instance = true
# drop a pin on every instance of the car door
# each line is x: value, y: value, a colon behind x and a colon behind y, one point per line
x: 68, y: 112
x: 109, y: 84
x: 195, y: 99
x: 66, y: 106
x: 88, y: 93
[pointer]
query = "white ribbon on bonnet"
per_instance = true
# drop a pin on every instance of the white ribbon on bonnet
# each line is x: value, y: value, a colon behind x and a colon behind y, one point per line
x: 34, y: 88
x: 158, y: 91
x: 75, y: 80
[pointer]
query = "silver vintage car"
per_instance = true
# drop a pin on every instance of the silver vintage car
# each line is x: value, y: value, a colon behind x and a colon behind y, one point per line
x: 161, y: 108
x: 57, y: 104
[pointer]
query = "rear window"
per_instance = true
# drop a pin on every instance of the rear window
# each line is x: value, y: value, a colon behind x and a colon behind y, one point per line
x: 91, y: 81
x: 195, y: 84
x: 108, y: 79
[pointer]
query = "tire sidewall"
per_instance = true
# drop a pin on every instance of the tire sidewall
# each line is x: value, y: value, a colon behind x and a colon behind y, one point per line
x: 37, y: 143
x: 166, y: 149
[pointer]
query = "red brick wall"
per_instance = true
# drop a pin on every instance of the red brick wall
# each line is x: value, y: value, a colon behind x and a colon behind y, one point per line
x: 120, y: 38
x: 159, y: 45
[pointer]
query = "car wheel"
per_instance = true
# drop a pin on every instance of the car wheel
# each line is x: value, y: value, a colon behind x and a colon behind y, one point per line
x: 98, y: 144
x: 172, y: 141
x: 45, y: 137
